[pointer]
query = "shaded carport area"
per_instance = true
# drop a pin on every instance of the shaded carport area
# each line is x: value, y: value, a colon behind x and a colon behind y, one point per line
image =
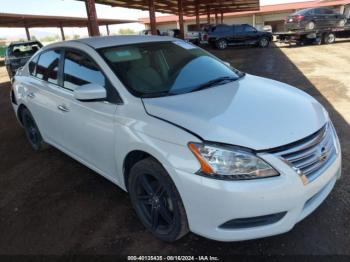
x: 195, y: 8
x: 51, y: 204
x: 26, y: 21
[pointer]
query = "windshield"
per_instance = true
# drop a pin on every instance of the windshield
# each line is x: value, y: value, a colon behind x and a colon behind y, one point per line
x: 23, y: 49
x: 166, y: 68
x: 302, y: 12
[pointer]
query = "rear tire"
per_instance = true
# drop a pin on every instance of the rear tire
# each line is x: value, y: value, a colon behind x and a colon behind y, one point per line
x: 32, y: 131
x: 221, y: 44
x: 310, y: 25
x: 329, y: 38
x: 156, y: 200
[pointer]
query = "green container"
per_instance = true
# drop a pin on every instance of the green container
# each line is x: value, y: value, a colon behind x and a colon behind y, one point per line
x: 2, y: 51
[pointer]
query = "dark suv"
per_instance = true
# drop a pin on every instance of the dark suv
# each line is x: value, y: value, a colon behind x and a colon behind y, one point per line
x: 220, y: 36
x: 315, y: 18
x: 18, y: 53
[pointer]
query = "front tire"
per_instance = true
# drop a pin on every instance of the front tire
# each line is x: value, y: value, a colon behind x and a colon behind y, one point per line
x: 156, y: 200
x: 264, y: 42
x: 221, y: 44
x: 32, y: 131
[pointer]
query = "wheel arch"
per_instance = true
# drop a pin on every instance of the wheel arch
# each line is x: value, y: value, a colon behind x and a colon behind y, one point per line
x: 131, y: 159
x: 20, y: 109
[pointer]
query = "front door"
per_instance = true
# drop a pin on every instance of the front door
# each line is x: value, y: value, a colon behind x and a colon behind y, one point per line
x: 85, y: 128
x: 239, y: 36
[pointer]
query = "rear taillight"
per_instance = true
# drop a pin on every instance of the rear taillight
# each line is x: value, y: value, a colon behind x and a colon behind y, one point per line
x: 298, y: 17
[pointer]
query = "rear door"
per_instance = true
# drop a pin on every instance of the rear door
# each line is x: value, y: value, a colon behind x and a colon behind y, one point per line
x: 322, y: 19
x: 40, y: 87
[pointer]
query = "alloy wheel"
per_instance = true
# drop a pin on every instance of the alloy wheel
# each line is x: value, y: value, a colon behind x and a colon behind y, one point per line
x: 154, y: 204
x: 31, y: 130
x: 222, y: 44
x: 310, y: 26
x: 264, y: 42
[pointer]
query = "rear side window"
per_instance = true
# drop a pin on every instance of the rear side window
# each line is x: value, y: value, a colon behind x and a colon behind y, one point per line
x: 304, y: 12
x: 80, y: 70
x: 328, y: 11
x: 47, y: 67
x: 324, y: 11
x: 222, y: 29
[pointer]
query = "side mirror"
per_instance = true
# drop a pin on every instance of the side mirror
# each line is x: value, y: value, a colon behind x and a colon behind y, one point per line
x: 227, y: 63
x: 90, y: 92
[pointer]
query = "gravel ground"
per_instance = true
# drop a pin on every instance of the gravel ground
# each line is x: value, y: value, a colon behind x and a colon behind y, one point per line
x: 51, y: 204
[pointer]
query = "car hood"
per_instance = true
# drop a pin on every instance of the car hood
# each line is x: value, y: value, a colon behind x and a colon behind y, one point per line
x: 252, y: 112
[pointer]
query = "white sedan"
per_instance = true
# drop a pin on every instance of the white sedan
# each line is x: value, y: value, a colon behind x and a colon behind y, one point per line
x: 197, y: 144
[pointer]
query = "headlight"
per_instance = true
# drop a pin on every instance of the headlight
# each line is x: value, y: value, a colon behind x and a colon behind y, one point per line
x: 228, y: 163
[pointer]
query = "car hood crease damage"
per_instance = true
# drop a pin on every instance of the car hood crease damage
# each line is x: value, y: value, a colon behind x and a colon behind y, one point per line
x: 242, y: 113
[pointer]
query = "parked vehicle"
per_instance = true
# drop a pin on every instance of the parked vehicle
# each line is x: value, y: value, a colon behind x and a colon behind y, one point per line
x: 193, y: 37
x: 221, y: 36
x: 197, y: 144
x: 148, y: 32
x: 314, y: 18
x: 172, y: 33
x: 18, y: 53
x: 317, y: 36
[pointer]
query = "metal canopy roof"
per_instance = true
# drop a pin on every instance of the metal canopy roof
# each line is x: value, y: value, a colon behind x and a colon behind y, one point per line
x: 189, y: 6
x: 21, y: 20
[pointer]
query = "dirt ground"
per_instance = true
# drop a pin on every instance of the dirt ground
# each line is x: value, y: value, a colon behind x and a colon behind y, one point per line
x: 51, y: 204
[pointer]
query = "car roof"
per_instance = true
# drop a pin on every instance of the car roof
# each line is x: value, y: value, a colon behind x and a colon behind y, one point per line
x: 309, y: 9
x: 107, y: 41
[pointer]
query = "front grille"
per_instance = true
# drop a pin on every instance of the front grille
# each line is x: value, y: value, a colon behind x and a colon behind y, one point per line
x: 313, y: 155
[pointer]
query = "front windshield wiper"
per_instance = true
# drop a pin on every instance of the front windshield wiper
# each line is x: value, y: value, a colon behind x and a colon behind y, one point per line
x: 214, y: 82
x: 156, y: 94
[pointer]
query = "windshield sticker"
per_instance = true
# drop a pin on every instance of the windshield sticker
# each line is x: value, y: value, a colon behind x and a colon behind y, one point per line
x: 184, y: 45
x: 123, y: 53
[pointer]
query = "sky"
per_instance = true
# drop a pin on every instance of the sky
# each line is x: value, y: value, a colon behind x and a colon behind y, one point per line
x: 77, y: 8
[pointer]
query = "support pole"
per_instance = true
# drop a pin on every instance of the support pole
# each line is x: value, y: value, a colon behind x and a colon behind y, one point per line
x: 92, y: 18
x: 254, y: 20
x: 222, y: 17
x: 107, y: 29
x: 62, y: 34
x: 216, y: 18
x: 152, y: 17
x: 27, y: 33
x: 197, y: 17
x: 208, y: 15
x: 181, y: 20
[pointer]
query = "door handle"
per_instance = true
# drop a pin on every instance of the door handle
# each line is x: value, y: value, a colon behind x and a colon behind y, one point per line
x: 63, y: 108
x: 31, y: 95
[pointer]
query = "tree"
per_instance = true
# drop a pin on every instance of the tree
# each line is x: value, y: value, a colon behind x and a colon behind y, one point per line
x: 126, y: 31
x: 50, y: 38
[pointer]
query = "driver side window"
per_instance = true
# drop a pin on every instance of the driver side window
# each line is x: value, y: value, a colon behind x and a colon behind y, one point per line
x: 80, y: 70
x: 249, y: 29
